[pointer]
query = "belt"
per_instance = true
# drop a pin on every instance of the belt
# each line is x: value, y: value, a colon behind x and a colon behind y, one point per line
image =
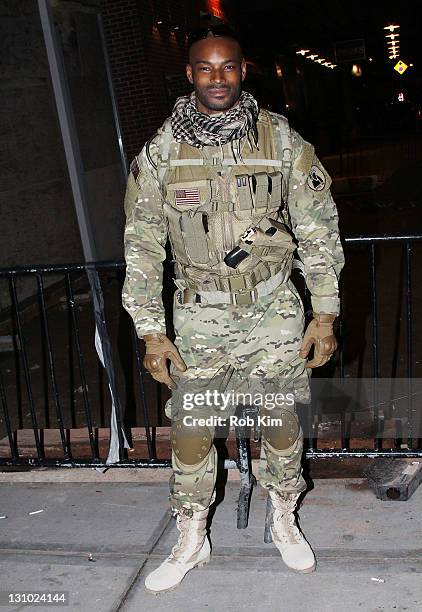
x: 243, y: 297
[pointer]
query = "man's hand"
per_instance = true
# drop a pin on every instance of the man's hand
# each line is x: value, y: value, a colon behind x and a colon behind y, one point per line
x: 158, y: 349
x: 320, y: 334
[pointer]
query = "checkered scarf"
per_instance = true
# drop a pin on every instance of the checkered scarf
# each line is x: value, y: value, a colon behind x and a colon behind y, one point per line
x: 198, y: 129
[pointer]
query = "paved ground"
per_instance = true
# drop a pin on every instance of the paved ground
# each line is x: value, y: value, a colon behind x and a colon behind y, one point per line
x: 127, y: 528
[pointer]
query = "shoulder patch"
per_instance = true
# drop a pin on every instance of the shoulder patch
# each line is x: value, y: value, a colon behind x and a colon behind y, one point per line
x: 134, y: 168
x: 316, y: 179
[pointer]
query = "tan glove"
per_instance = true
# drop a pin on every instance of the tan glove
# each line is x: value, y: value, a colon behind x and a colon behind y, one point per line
x: 158, y: 349
x: 320, y: 334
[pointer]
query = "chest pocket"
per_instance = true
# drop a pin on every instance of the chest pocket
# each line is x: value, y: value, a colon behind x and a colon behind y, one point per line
x: 185, y: 208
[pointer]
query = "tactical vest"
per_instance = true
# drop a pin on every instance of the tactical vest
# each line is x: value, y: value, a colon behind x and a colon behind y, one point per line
x: 210, y: 200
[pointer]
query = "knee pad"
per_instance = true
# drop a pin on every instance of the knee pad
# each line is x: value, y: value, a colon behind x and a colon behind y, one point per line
x: 190, y: 445
x: 282, y: 431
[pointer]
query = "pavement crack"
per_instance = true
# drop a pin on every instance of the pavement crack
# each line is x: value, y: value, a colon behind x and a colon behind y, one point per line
x: 151, y: 544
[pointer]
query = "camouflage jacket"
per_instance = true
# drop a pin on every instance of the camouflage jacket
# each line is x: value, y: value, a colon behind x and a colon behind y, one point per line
x: 308, y: 202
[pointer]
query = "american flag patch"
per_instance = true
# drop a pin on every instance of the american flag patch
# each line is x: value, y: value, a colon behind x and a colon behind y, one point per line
x: 187, y: 196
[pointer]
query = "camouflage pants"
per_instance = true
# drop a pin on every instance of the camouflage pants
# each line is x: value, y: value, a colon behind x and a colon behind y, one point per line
x: 250, y: 349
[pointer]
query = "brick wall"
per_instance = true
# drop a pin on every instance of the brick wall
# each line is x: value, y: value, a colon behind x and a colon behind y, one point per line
x: 144, y: 56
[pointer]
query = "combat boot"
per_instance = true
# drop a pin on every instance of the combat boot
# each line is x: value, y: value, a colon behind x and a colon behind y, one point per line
x: 191, y: 550
x: 295, y: 550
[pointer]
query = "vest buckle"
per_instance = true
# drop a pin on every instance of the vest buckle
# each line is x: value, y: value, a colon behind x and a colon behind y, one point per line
x: 244, y: 299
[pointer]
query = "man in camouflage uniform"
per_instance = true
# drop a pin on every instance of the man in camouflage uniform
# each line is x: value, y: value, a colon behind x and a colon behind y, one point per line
x: 235, y: 189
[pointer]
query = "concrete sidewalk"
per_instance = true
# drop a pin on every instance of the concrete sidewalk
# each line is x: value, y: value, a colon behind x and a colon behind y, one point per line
x: 127, y: 529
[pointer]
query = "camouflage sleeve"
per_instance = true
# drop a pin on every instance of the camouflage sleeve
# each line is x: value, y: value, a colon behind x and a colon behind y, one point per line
x: 144, y: 242
x: 315, y: 223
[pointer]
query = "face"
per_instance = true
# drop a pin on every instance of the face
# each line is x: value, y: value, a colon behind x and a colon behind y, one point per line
x: 216, y: 70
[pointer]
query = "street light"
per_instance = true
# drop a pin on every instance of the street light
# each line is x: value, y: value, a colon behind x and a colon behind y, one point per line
x: 356, y: 70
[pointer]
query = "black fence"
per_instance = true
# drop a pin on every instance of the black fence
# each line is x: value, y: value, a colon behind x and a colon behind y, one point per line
x: 55, y: 404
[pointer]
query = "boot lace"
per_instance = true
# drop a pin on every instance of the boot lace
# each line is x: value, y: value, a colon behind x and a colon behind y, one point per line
x: 286, y: 528
x: 189, y: 534
x: 284, y: 520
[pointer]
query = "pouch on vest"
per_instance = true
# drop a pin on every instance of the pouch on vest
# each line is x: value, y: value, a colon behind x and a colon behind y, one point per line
x: 244, y: 192
x: 260, y: 186
x: 195, y: 236
x: 273, y: 241
x: 267, y: 190
x: 188, y: 222
x: 275, y: 188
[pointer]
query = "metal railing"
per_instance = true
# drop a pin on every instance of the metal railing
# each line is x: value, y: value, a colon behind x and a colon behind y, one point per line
x: 412, y: 447
x: 32, y: 398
